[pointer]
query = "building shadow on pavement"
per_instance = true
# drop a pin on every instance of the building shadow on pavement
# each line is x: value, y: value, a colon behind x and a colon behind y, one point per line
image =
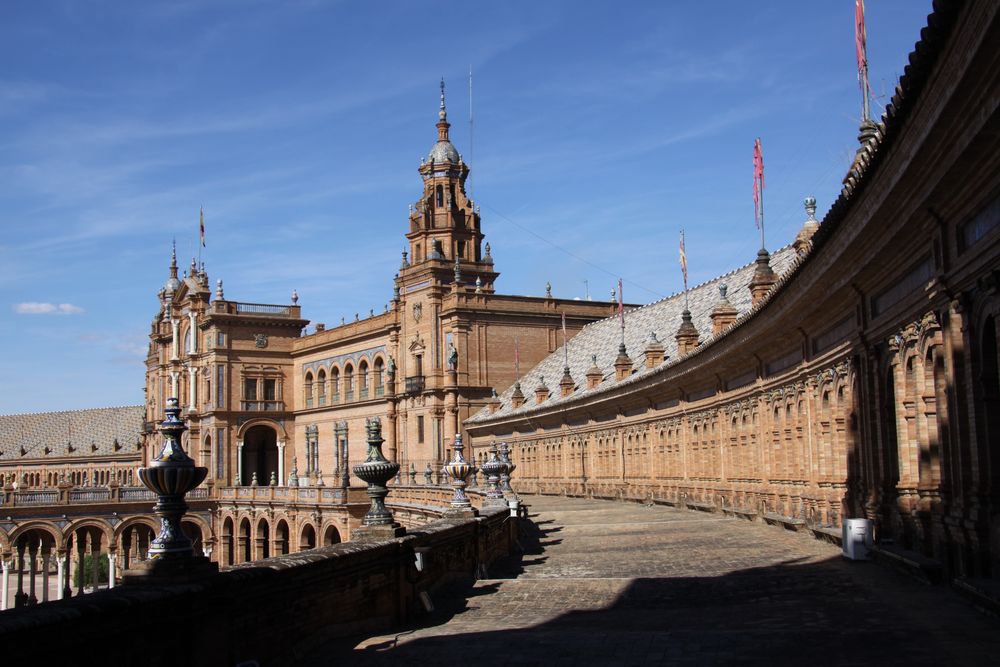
x: 793, y: 613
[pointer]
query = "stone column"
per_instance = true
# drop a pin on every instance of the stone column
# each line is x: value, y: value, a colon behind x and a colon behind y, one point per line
x: 281, y: 461
x: 45, y: 575
x: 111, y: 568
x: 390, y: 433
x: 60, y: 576
x: 193, y: 349
x: 192, y: 387
x: 239, y: 463
x: 174, y: 377
x: 4, y: 600
x: 175, y: 343
x: 32, y: 571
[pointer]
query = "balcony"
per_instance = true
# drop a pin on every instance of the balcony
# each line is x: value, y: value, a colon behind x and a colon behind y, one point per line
x: 415, y: 384
x: 262, y: 406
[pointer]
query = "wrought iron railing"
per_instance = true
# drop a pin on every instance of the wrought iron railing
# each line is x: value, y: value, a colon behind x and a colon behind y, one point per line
x: 262, y: 309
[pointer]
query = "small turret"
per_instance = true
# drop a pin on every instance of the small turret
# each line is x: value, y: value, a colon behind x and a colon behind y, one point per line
x: 687, y: 334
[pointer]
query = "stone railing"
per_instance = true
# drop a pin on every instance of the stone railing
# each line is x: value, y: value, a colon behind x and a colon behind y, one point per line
x: 35, y: 498
x: 87, y: 495
x: 229, y: 617
x: 136, y: 493
x: 96, y: 495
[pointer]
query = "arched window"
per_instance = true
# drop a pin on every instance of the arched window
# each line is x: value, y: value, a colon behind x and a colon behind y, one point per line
x: 321, y: 386
x: 307, y: 391
x: 363, y: 379
x: 379, y: 380
x: 334, y: 384
x: 348, y: 383
x: 439, y: 194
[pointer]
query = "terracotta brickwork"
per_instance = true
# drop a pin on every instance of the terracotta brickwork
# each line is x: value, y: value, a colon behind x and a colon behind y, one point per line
x: 861, y: 381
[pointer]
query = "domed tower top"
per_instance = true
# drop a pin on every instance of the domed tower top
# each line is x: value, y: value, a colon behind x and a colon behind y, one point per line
x: 443, y: 150
x: 172, y: 282
x: 444, y: 222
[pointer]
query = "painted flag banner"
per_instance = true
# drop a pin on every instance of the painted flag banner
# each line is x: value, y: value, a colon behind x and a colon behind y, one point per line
x: 758, y: 183
x: 860, y: 39
x: 203, y: 228
x: 684, y: 262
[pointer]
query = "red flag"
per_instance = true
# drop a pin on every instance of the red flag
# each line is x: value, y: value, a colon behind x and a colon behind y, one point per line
x: 860, y: 38
x: 684, y: 262
x: 202, y: 227
x: 758, y: 182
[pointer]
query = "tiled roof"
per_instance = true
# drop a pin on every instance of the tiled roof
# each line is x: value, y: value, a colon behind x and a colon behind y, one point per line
x: 663, y: 317
x: 74, y: 433
x: 602, y: 338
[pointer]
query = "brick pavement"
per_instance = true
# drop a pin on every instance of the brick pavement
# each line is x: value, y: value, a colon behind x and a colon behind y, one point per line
x: 608, y: 583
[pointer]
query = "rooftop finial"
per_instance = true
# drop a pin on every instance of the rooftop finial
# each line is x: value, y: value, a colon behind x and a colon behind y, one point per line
x: 810, y: 203
x: 173, y: 260
x: 443, y: 113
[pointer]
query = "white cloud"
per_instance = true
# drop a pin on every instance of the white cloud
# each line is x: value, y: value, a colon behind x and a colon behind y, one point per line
x: 35, y: 308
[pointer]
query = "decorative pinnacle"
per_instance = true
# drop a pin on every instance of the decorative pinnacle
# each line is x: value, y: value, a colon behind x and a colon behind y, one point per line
x: 173, y: 260
x: 810, y: 203
x: 295, y: 297
x: 443, y: 113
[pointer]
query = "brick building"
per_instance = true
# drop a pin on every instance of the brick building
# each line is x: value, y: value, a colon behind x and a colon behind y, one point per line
x: 858, y: 379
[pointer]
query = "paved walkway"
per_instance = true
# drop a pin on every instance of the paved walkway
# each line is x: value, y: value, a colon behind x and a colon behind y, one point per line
x: 606, y: 583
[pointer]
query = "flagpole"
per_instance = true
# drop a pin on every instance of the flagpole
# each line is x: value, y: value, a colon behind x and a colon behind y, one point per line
x: 621, y: 308
x: 861, y: 47
x: 565, y: 345
x: 762, y: 245
x: 684, y: 270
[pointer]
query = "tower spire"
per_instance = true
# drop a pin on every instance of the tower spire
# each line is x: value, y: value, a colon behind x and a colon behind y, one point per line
x: 173, y: 260
x: 443, y: 123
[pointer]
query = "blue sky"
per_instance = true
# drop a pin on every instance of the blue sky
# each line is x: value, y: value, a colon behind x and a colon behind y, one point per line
x: 601, y: 129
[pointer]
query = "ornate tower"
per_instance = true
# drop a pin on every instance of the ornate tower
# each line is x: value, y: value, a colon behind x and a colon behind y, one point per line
x: 445, y: 236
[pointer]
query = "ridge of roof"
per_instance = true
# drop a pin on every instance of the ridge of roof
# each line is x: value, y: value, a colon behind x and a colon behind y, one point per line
x: 866, y: 162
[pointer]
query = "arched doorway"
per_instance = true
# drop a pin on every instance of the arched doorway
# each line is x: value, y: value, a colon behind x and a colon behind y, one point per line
x: 134, y: 543
x: 263, y: 539
x: 244, y: 541
x: 331, y: 536
x: 281, y: 538
x: 86, y: 548
x: 260, y: 455
x: 228, y: 547
x: 34, y: 560
x: 193, y: 533
x: 308, y: 539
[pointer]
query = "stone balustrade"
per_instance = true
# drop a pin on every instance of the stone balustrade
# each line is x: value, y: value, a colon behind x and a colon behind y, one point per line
x: 229, y: 617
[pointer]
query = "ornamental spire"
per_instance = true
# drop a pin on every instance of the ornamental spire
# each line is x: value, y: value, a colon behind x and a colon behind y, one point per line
x: 443, y: 123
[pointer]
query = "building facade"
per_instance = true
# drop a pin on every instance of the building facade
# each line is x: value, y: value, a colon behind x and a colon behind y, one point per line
x: 859, y: 379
